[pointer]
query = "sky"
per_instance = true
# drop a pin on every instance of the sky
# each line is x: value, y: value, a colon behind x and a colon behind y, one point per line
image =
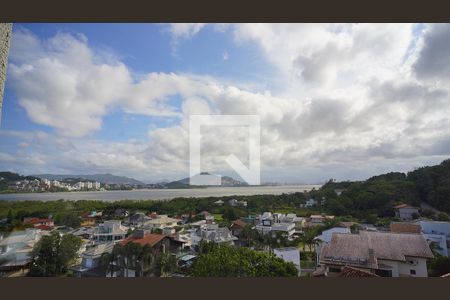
x: 335, y: 101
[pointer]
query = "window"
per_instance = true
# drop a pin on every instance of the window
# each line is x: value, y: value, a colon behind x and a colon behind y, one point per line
x: 335, y: 270
x: 412, y: 272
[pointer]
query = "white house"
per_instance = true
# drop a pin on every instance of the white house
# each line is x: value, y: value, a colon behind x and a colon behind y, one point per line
x: 91, y: 258
x: 212, y: 233
x: 406, y: 212
x: 437, y: 233
x: 311, y: 202
x: 272, y: 223
x: 386, y: 254
x: 109, y: 231
x: 16, y: 248
x: 289, y: 254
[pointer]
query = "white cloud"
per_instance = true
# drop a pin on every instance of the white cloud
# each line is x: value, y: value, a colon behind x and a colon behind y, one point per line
x: 354, y: 100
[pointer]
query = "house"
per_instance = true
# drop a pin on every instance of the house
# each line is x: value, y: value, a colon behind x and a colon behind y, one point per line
x: 87, y: 222
x: 159, y: 243
x: 234, y: 202
x: 138, y: 219
x: 121, y: 213
x: 299, y: 222
x: 16, y: 248
x: 168, y: 231
x: 400, y: 227
x: 310, y: 203
x: 237, y: 227
x: 83, y: 232
x: 406, y: 212
x: 386, y: 254
x: 437, y: 235
x: 44, y: 224
x: 219, y: 202
x: 289, y: 254
x: 325, y: 237
x: 338, y: 192
x: 109, y: 231
x: 91, y: 261
x: 160, y: 222
x: 212, y: 233
x: 315, y: 220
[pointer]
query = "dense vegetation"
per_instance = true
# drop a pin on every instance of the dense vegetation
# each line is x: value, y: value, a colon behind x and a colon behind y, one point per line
x: 379, y: 194
x: 228, y: 261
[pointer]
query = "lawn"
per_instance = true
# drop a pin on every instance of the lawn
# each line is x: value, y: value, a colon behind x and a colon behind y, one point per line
x: 218, y: 217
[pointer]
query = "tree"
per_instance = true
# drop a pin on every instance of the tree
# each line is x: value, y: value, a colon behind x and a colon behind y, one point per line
x: 442, y: 216
x: 53, y: 254
x: 69, y: 219
x: 165, y: 264
x: 439, y: 266
x: 9, y: 218
x: 229, y: 261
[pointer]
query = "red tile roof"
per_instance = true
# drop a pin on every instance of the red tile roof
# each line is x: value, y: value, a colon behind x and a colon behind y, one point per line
x: 44, y: 227
x: 37, y: 221
x: 354, y: 272
x: 148, y: 239
x: 401, y: 206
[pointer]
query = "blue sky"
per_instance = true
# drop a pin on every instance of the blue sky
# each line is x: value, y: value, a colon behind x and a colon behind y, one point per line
x: 335, y: 100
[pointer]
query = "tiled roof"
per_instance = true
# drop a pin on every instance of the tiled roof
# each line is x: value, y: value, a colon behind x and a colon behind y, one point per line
x: 240, y: 223
x: 99, y: 249
x: 405, y: 228
x: 354, y: 272
x: 148, y: 239
x: 43, y: 227
x: 353, y: 249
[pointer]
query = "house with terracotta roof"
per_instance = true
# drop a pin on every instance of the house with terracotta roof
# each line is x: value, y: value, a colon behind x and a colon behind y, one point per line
x: 386, y: 254
x: 237, y: 226
x: 406, y: 212
x: 352, y: 272
x: 44, y: 224
x: 158, y: 243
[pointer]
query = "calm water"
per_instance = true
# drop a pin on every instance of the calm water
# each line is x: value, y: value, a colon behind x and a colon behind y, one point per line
x: 160, y: 194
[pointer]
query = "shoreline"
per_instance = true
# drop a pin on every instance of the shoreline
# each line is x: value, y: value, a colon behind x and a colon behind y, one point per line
x: 157, y: 194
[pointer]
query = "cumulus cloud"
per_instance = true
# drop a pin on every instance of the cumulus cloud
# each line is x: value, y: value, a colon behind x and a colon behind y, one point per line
x: 433, y: 62
x: 354, y: 100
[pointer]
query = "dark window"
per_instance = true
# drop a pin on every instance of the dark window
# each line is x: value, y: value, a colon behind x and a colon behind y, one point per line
x: 412, y: 272
x: 384, y: 273
x: 335, y: 270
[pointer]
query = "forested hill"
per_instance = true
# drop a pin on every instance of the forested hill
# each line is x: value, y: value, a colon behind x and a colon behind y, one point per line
x: 379, y: 194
